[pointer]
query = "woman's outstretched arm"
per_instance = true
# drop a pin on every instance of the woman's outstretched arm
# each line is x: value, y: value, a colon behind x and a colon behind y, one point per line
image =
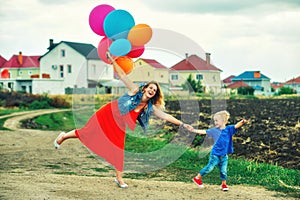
x: 133, y: 88
x: 165, y: 116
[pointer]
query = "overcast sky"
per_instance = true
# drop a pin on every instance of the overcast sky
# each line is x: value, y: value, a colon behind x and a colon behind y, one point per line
x: 240, y: 35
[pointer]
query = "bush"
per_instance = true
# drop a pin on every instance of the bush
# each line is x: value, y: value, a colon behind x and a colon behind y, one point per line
x: 286, y: 90
x: 21, y: 100
x: 245, y: 90
x: 39, y: 105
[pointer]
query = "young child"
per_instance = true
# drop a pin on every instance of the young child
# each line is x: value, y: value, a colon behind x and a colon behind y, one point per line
x: 223, y: 145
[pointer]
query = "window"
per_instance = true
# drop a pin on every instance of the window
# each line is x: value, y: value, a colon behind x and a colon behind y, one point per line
x: 61, y: 70
x: 214, y: 78
x: 10, y: 85
x: 63, y: 53
x: 94, y: 68
x: 69, y: 69
x: 29, y: 72
x: 20, y: 72
x: 23, y: 88
x: 174, y: 77
x: 199, y: 77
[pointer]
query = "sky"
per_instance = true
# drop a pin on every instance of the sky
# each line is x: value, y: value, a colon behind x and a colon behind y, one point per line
x: 246, y: 35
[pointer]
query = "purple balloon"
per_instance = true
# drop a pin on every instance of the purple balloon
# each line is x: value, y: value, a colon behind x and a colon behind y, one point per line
x: 117, y: 24
x: 97, y: 16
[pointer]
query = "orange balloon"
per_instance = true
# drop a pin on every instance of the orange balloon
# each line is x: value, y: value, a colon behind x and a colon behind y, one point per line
x: 139, y: 34
x: 126, y: 63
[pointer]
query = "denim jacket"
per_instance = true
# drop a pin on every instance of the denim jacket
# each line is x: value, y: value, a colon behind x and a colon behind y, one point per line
x: 126, y: 103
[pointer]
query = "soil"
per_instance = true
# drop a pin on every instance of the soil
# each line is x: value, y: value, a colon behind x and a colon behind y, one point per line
x: 271, y: 136
x: 32, y: 169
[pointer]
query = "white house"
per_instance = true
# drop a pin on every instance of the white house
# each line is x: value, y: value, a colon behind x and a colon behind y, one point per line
x: 70, y: 65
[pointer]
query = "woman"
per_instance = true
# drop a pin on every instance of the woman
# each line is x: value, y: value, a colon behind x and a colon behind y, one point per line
x: 104, y: 133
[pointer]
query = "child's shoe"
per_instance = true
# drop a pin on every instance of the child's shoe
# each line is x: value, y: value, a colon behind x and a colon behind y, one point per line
x: 224, y: 187
x: 198, y: 182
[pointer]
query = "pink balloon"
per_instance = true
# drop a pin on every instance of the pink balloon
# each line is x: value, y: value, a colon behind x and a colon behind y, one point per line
x: 136, y: 51
x: 97, y: 16
x: 103, y: 48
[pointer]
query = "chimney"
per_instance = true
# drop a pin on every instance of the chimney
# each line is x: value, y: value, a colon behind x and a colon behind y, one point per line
x: 207, y: 58
x: 186, y: 57
x: 257, y: 74
x: 20, y: 58
x: 51, y: 44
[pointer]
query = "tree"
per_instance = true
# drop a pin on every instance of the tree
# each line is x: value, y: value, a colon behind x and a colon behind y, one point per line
x: 192, y: 85
x: 286, y: 90
x: 245, y: 90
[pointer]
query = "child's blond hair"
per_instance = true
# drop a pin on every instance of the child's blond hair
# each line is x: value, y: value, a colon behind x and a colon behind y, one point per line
x: 224, y: 114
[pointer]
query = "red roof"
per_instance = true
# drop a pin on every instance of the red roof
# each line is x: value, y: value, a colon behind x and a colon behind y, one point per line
x: 276, y: 86
x: 228, y: 79
x: 154, y: 63
x: 294, y: 81
x: 28, y: 61
x: 2, y: 61
x: 238, y: 84
x: 194, y: 62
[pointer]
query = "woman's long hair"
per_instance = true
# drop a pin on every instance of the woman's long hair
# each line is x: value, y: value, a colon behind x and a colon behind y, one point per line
x: 158, y: 99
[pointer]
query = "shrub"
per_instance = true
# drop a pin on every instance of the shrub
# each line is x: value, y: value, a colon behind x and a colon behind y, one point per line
x: 39, y: 105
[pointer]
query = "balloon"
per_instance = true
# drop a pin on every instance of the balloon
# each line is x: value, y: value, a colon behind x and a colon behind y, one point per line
x: 125, y: 63
x: 4, y: 73
x: 117, y: 24
x: 103, y: 48
x: 120, y: 47
x: 97, y: 16
x: 136, y: 51
x: 140, y: 34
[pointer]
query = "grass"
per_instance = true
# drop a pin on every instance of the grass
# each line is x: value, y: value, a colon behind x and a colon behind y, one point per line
x: 240, y: 171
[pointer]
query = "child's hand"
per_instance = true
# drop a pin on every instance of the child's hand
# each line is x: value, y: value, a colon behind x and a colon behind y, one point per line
x: 244, y: 121
x: 189, y: 127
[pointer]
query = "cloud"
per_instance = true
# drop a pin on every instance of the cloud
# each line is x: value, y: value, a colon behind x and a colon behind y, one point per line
x: 221, y: 6
x: 55, y: 2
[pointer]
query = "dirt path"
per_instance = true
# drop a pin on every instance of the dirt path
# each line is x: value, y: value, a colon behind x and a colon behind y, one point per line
x: 32, y: 169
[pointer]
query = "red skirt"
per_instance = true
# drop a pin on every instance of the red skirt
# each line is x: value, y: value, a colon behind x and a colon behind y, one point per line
x: 104, y: 133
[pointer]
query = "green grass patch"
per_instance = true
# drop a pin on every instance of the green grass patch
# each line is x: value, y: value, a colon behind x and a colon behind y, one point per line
x: 52, y: 166
x: 100, y: 169
x: 65, y: 173
x: 7, y: 111
x: 54, y: 121
x: 2, y: 121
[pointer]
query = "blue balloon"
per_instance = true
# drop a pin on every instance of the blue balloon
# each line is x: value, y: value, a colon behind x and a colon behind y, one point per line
x: 120, y: 47
x: 117, y: 24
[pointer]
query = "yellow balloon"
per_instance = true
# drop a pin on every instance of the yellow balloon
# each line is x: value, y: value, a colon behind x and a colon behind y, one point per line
x: 139, y: 34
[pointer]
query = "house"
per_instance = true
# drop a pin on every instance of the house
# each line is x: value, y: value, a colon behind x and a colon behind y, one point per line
x: 17, y: 71
x: 199, y: 69
x: 233, y: 87
x: 2, y: 61
x: 144, y: 70
x: 72, y: 66
x: 227, y: 81
x: 259, y: 82
x: 276, y: 86
x: 293, y: 83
